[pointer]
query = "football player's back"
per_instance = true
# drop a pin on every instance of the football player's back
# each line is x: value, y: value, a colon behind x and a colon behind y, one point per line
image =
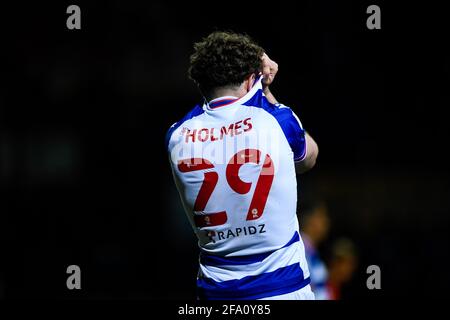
x: 233, y: 163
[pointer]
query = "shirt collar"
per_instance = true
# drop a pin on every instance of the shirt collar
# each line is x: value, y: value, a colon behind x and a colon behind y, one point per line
x: 222, y: 101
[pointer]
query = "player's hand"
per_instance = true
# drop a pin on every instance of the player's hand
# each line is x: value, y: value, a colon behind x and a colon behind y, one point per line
x: 269, y: 70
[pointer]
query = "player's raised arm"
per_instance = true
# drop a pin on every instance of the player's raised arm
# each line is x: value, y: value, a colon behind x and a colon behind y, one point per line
x: 312, y: 150
x: 269, y: 70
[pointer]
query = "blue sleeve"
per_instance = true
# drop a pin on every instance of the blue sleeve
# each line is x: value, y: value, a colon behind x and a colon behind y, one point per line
x: 292, y: 129
x: 289, y: 122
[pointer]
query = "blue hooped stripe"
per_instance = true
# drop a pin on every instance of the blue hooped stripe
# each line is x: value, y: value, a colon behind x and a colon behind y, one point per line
x: 281, y: 281
x: 212, y: 260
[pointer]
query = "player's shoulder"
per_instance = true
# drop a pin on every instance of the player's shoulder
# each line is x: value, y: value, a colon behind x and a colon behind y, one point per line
x: 196, y: 111
x: 279, y: 111
x: 260, y: 101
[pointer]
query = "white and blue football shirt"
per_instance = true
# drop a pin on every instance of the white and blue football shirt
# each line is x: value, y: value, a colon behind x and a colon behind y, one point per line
x: 233, y: 164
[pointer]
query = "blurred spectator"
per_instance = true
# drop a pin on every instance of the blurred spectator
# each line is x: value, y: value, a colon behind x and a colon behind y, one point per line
x: 343, y: 262
x: 315, y: 226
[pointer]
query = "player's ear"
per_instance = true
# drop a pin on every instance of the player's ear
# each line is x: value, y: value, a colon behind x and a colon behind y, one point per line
x: 250, y: 81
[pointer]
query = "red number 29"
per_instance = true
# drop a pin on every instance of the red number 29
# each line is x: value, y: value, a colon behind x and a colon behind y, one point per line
x: 211, y: 178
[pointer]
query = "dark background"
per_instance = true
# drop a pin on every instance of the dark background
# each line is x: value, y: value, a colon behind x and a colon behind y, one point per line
x: 84, y: 173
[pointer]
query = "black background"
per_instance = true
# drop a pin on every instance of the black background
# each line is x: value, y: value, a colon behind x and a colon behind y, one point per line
x: 84, y: 174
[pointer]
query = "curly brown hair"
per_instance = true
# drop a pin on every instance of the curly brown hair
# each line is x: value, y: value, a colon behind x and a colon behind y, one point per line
x: 224, y: 59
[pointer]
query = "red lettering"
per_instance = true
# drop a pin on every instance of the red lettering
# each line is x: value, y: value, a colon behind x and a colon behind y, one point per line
x: 192, y: 135
x: 237, y: 126
x: 224, y: 130
x: 232, y: 130
x: 212, y: 135
x: 248, y: 124
x: 203, y: 139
